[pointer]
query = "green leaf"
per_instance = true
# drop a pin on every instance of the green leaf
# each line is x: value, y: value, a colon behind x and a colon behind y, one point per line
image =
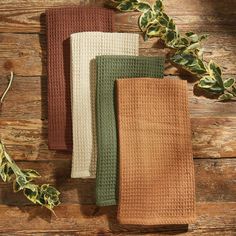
x: 194, y: 46
x: 195, y: 38
x: 158, y: 6
x: 31, y: 173
x: 126, y: 6
x: 170, y: 36
x: 189, y: 34
x: 164, y: 20
x: 3, y: 173
x: 146, y: 19
x: 206, y: 82
x: 183, y: 42
x: 1, y: 152
x: 16, y: 186
x: 45, y: 195
x: 31, y: 192
x: 48, y: 196
x: 216, y: 88
x: 229, y: 82
x: 203, y: 37
x: 19, y: 183
x: 215, y: 71
x: 233, y: 90
x: 154, y: 30
x: 171, y: 25
x: 6, y: 171
x: 143, y: 7
x: 226, y: 97
x: 192, y: 36
x: 190, y: 62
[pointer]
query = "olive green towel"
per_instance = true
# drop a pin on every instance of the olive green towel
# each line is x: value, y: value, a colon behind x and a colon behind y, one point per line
x: 110, y: 68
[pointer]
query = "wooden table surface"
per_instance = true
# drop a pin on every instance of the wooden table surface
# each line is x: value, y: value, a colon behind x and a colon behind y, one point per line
x: 23, y: 125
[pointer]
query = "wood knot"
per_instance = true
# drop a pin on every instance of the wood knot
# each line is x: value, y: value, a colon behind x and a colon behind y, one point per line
x: 8, y: 65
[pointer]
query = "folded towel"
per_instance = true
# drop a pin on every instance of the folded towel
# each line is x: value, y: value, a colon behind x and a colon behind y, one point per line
x: 84, y: 48
x: 60, y: 23
x: 109, y: 68
x: 156, y: 175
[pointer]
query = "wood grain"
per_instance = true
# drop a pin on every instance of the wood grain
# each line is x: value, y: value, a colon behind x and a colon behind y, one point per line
x: 34, y: 106
x: 24, y: 16
x: 27, y: 139
x: 212, y: 219
x: 214, y: 182
x: 23, y: 124
x: 25, y: 54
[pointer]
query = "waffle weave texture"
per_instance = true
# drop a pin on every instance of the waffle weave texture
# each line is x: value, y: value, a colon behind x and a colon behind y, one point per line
x: 109, y: 68
x: 156, y: 175
x: 84, y: 48
x: 60, y: 23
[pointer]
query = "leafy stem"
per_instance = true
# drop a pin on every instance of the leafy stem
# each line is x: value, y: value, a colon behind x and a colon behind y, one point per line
x: 23, y: 179
x: 188, y: 51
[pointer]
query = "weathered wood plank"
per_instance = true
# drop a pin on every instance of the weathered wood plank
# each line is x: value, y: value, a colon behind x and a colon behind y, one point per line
x: 214, y: 182
x: 27, y: 139
x: 27, y: 98
x: 25, y: 54
x: 26, y: 16
x: 34, y: 106
x: 212, y: 219
x: 213, y: 137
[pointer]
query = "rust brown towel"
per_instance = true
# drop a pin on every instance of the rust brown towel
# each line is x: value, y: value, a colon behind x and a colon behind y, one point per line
x: 156, y: 165
x: 61, y: 22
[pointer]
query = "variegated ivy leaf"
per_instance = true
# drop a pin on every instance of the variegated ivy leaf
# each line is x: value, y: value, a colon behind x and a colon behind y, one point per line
x: 48, y: 196
x: 146, y: 19
x: 203, y: 37
x: 3, y: 173
x: 171, y: 25
x: 215, y: 72
x: 195, y: 37
x: 154, y: 29
x: 1, y: 152
x: 164, y: 20
x: 129, y: 5
x: 30, y: 174
x: 226, y: 97
x: 189, y: 62
x: 6, y: 171
x: 158, y: 6
x: 206, y: 82
x: 182, y: 42
x: 216, y: 89
x: 170, y: 36
x: 19, y: 183
x: 192, y: 36
x: 189, y: 52
x: 194, y: 46
x: 2, y: 159
x: 45, y: 195
x: 228, y: 83
x: 31, y: 192
x: 143, y: 7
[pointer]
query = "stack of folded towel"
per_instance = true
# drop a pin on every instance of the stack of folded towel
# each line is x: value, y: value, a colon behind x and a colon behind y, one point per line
x: 125, y: 124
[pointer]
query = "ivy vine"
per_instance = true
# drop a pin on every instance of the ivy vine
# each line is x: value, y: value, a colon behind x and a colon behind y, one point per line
x: 188, y: 51
x: 23, y: 179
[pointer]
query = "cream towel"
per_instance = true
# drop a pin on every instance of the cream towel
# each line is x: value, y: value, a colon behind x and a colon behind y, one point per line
x: 84, y: 48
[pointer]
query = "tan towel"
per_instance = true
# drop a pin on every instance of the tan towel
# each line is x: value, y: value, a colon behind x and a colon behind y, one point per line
x: 156, y: 165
